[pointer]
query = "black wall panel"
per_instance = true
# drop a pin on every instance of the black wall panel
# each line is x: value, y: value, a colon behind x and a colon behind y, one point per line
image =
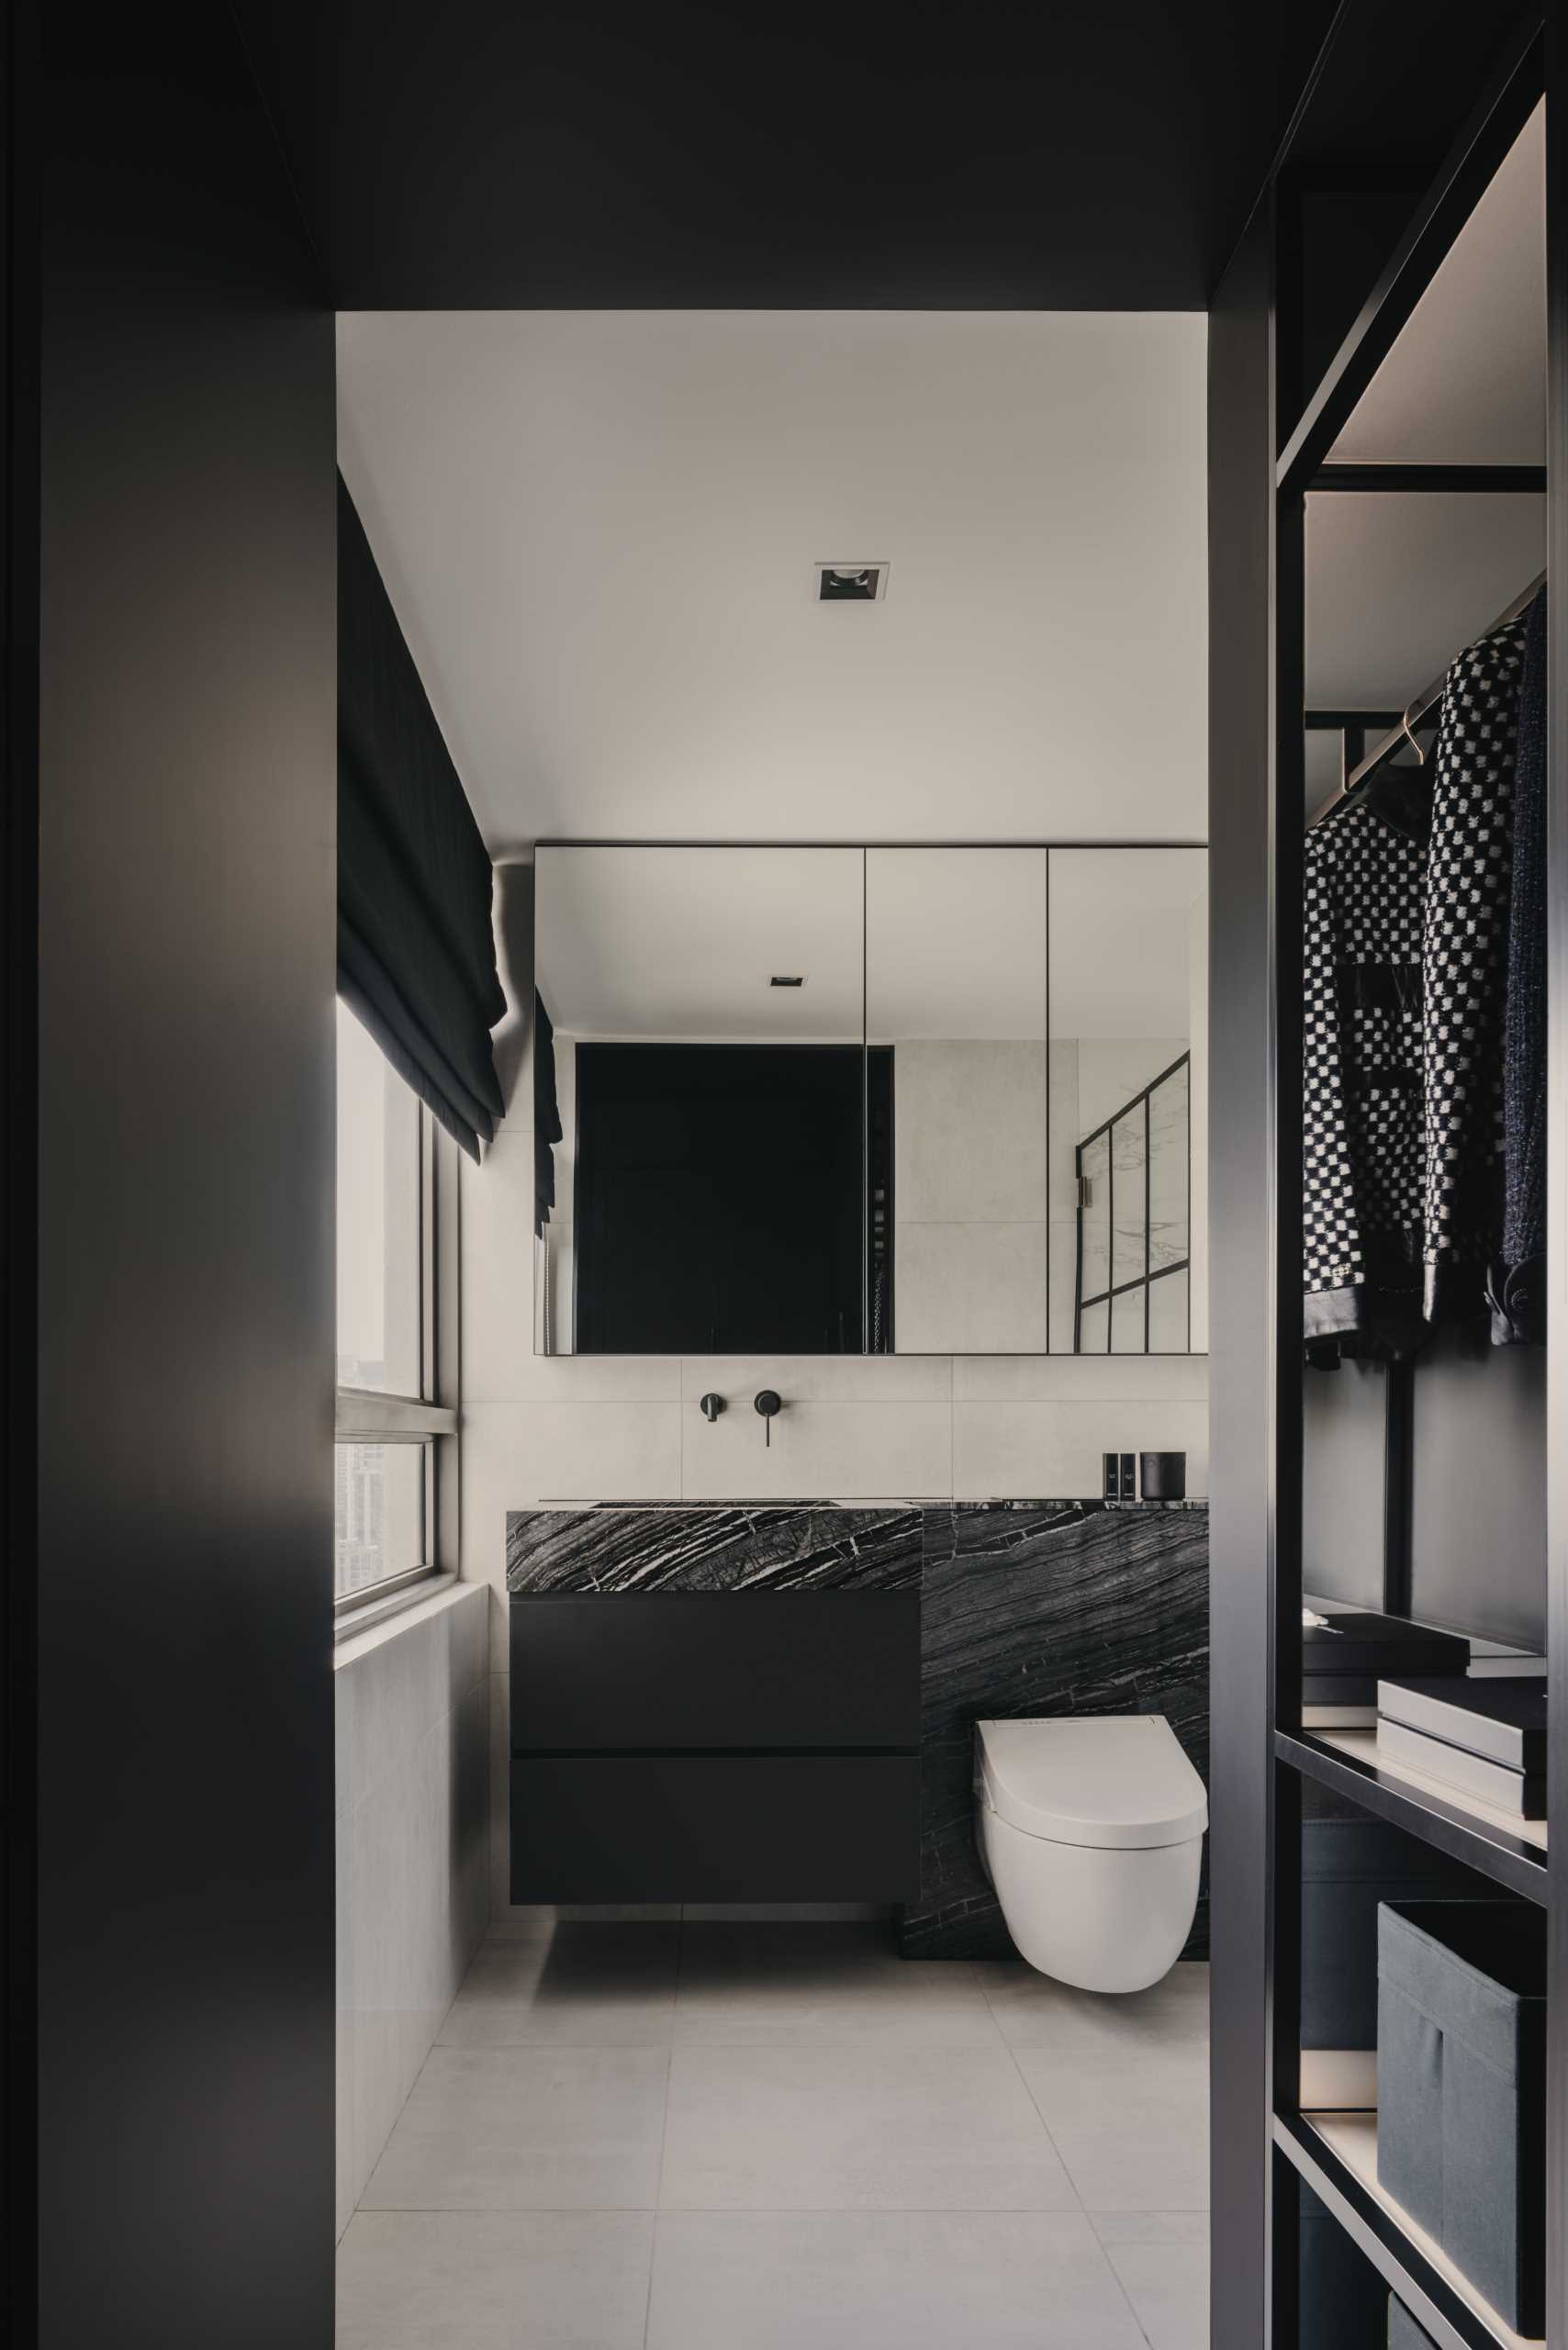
x: 1241, y: 1419
x: 1557, y: 1157
x: 19, y: 1171
x: 184, y: 1135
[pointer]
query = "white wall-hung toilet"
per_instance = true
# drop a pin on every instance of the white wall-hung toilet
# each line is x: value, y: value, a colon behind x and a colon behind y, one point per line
x: 1091, y: 1831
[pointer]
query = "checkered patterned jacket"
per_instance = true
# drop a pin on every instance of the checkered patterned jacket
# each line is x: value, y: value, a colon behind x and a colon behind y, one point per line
x: 1406, y: 985
x: 1469, y: 879
x: 1518, y: 1281
x: 1364, y: 911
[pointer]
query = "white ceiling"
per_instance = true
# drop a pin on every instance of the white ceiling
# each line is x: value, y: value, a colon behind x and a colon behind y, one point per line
x: 657, y: 942
x: 955, y: 944
x: 649, y: 942
x: 1121, y: 940
x: 598, y: 528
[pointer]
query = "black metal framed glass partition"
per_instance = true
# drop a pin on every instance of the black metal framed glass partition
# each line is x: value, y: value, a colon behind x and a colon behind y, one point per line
x: 1133, y: 1286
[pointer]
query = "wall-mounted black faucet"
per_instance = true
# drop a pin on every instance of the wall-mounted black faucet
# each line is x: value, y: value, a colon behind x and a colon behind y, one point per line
x: 769, y: 1402
x: 710, y: 1406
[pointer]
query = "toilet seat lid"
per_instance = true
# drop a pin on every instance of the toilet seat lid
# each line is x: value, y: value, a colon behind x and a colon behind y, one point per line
x: 1119, y: 1781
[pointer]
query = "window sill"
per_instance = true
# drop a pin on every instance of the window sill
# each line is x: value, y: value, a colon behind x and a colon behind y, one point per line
x: 366, y: 1416
x: 357, y: 1629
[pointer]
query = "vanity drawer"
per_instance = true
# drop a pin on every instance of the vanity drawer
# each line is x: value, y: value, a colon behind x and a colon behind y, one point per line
x: 720, y: 1668
x: 711, y: 1827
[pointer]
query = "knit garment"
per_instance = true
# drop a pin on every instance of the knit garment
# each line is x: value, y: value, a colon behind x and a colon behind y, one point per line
x: 1465, y: 957
x: 1364, y: 909
x: 1518, y: 1284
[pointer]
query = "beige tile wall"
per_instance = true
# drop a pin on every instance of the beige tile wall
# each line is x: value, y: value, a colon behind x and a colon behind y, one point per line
x: 628, y: 1428
x: 412, y: 1705
x: 969, y: 1184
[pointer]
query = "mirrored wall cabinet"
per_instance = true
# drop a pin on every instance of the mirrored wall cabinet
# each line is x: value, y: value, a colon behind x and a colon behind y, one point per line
x: 882, y: 1101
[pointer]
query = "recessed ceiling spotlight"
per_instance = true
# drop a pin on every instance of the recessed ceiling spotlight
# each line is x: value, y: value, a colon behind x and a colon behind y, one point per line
x: 787, y: 979
x: 851, y: 583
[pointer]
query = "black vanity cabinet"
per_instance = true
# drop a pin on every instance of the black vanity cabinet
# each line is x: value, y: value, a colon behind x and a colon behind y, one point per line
x: 715, y: 1746
x: 715, y: 1704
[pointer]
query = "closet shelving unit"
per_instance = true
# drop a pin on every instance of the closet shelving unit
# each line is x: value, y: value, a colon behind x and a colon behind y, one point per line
x: 1408, y: 116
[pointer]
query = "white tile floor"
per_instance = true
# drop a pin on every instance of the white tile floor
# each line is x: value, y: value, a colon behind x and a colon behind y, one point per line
x: 691, y: 2138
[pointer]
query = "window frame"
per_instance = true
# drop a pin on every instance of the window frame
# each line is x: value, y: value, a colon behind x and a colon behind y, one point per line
x: 1136, y: 1104
x: 430, y: 1419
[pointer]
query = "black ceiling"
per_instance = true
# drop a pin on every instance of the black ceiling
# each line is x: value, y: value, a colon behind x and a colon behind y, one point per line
x: 920, y: 153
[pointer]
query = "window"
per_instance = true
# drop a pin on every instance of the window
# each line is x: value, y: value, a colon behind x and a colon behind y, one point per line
x: 394, y: 1423
x: 381, y: 1528
x: 378, y: 1219
x: 1135, y: 1224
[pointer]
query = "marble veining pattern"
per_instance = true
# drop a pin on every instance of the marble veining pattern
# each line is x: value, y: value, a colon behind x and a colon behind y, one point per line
x: 1047, y: 1608
x: 801, y: 1546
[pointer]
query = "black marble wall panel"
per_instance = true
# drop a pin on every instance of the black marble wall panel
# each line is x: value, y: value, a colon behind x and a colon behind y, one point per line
x: 1046, y: 1607
x: 804, y: 1546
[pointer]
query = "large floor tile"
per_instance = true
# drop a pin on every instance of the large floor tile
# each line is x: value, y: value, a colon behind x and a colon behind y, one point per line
x: 864, y: 2280
x: 1168, y: 2284
x: 1151, y: 2227
x: 785, y: 1941
x: 526, y: 2129
x: 583, y: 1987
x: 744, y: 1989
x: 487, y: 2280
x: 851, y: 2127
x: 1035, y: 2012
x: 1131, y: 2124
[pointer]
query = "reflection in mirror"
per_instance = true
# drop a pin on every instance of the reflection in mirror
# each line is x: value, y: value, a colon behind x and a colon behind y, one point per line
x: 955, y: 1025
x: 1129, y: 1101
x: 701, y: 1181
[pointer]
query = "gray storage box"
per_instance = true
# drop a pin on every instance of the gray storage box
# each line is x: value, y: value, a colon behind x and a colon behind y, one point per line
x: 1404, y: 2334
x: 1461, y: 2087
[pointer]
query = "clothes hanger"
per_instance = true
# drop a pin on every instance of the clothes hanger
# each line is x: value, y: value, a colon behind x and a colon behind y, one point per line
x: 1422, y: 707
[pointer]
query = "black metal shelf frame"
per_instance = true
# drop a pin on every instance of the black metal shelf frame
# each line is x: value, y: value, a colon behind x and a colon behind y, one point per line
x: 1449, y: 1827
x: 1506, y: 98
x: 1434, y: 480
x: 1376, y: 2232
x: 1262, y: 470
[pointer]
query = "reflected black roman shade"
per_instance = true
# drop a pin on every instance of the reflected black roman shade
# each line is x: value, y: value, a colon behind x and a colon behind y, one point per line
x: 547, y: 1127
x: 415, y: 954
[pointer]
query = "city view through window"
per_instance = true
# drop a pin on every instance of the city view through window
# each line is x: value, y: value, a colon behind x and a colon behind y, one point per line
x: 379, y: 1518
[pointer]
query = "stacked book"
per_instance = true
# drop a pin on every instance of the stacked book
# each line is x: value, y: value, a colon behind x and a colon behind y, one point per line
x: 1345, y: 1657
x: 1485, y: 1738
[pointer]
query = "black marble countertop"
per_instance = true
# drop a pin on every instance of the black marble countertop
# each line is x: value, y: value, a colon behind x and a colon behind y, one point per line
x: 624, y: 1546
x: 752, y: 1505
x: 1195, y: 1501
x: 737, y: 1546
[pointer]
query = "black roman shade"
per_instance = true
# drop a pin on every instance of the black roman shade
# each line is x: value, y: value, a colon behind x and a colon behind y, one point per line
x: 416, y: 955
